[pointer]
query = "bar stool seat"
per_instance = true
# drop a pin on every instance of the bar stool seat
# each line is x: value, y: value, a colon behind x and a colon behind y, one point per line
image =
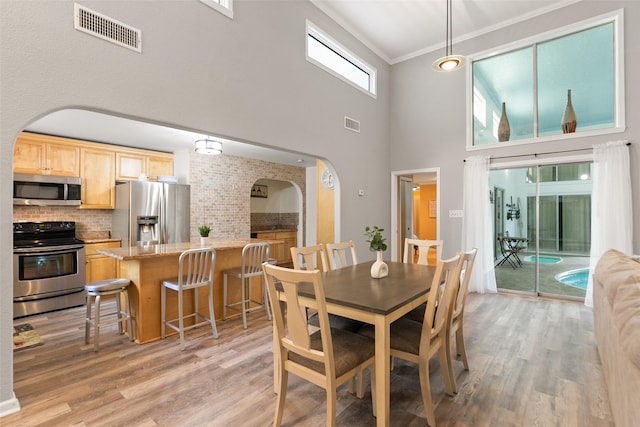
x: 95, y: 291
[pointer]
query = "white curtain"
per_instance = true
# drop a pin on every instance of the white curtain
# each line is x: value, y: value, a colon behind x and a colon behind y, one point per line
x: 477, y: 223
x: 611, y: 209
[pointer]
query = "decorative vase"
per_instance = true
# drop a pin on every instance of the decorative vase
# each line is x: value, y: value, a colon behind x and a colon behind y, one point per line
x: 569, y: 122
x: 379, y: 269
x: 203, y: 240
x: 504, y: 131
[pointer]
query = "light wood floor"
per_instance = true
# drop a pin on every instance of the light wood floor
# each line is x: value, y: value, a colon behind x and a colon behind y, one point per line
x: 533, y: 363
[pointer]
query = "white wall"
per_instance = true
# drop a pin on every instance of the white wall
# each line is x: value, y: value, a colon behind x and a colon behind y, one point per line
x: 283, y: 197
x: 428, y: 124
x: 245, y: 78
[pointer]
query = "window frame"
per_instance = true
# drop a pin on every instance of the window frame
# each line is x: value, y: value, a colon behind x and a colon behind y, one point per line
x: 218, y: 6
x: 617, y: 18
x: 313, y: 31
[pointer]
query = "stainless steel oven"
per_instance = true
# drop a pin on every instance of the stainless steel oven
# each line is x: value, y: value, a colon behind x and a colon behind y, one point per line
x: 48, y: 267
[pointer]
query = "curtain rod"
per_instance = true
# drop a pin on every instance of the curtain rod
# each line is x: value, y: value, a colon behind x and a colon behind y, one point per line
x: 542, y: 154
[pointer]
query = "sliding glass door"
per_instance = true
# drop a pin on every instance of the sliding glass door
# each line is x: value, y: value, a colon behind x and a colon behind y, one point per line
x: 542, y: 228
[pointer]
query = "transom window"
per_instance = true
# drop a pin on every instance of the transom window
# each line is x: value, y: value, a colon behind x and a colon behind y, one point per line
x: 533, y: 79
x: 225, y: 7
x: 329, y: 55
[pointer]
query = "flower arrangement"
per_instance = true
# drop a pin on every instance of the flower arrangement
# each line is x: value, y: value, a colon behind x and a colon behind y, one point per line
x: 204, y: 230
x: 375, y: 238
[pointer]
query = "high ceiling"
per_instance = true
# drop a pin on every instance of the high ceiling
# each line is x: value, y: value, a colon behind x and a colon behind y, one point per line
x: 395, y: 29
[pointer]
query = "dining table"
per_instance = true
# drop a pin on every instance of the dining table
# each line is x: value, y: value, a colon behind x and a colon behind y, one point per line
x: 351, y: 292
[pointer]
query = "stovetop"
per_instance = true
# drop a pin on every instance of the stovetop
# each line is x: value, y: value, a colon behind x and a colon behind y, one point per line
x: 46, y: 233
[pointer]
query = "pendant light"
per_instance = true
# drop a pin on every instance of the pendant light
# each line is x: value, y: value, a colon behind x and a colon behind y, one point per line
x: 449, y: 62
x: 208, y: 146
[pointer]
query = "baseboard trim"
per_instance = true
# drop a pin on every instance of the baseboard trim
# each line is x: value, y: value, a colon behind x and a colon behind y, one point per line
x: 9, y: 406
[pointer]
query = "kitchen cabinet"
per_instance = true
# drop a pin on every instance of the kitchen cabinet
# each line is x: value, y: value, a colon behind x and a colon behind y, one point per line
x: 129, y: 165
x: 290, y: 241
x: 282, y: 252
x: 159, y: 166
x: 45, y: 155
x: 97, y: 169
x: 98, y: 165
x: 100, y: 267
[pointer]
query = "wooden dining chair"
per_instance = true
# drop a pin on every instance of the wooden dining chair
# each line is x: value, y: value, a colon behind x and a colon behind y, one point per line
x: 455, y: 323
x: 310, y: 258
x: 422, y: 248
x: 337, y: 254
x: 417, y: 342
x: 316, y: 256
x: 327, y: 357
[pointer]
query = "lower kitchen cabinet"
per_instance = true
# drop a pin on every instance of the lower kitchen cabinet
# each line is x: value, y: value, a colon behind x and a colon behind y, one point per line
x: 282, y: 252
x: 100, y: 267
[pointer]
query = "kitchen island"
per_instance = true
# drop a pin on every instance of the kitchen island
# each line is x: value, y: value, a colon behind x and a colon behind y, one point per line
x: 147, y: 266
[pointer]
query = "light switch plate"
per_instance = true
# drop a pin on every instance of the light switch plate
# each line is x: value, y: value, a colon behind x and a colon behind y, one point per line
x: 456, y: 213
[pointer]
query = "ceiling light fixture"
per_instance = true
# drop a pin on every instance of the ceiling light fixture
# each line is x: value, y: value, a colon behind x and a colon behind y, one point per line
x: 208, y: 146
x: 449, y: 62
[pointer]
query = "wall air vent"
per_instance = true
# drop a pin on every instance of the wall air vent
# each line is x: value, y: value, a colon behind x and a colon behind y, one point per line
x: 96, y: 24
x: 351, y: 124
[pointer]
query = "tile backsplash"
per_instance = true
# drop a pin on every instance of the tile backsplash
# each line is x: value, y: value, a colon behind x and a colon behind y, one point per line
x: 87, y: 220
x: 271, y: 221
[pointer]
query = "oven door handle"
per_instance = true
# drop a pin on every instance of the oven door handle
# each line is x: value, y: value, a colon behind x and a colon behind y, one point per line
x: 49, y: 250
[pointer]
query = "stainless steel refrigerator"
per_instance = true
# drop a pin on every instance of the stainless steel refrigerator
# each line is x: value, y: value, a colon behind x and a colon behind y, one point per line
x: 151, y: 212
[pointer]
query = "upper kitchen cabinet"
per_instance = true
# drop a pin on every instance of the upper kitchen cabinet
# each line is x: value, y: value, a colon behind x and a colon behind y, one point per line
x: 45, y: 155
x: 159, y: 165
x: 130, y: 165
x: 97, y: 169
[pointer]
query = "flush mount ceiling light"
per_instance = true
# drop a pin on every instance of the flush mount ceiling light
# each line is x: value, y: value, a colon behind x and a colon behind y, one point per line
x: 449, y: 62
x: 208, y: 146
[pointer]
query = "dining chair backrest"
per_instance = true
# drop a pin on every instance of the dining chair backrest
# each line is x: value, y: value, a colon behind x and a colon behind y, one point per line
x: 195, y: 267
x: 253, y: 255
x: 424, y: 247
x: 467, y: 260
x: 444, y: 287
x: 309, y: 258
x: 337, y: 254
x: 292, y: 332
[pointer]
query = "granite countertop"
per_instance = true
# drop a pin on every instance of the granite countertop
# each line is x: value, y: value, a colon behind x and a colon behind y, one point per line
x: 276, y: 230
x: 96, y: 237
x: 172, y: 249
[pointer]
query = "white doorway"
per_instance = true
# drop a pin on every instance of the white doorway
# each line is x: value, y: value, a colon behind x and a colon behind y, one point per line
x: 421, y: 203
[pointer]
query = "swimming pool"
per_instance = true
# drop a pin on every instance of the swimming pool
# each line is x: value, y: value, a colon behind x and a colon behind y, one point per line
x: 577, y: 278
x: 544, y: 259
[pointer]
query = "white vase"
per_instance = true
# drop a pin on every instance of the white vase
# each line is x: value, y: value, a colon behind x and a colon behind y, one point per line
x: 379, y: 269
x: 203, y: 241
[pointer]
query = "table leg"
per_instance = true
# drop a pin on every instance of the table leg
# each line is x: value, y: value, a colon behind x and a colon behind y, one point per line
x: 383, y: 368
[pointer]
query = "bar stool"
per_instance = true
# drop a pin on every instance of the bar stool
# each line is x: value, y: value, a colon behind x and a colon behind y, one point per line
x: 96, y: 290
x: 195, y: 271
x: 253, y: 255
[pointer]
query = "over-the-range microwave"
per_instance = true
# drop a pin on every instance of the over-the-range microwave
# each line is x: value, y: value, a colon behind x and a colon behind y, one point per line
x: 46, y: 190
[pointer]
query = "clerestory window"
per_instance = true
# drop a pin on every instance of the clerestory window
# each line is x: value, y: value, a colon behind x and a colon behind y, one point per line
x: 556, y: 85
x: 329, y: 55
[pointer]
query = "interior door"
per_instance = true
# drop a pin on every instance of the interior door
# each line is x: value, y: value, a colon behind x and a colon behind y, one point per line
x: 406, y: 211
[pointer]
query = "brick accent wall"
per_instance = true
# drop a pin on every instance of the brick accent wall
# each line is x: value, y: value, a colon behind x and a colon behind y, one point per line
x: 221, y: 191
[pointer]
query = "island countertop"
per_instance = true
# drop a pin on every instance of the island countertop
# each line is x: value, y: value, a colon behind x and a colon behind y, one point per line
x: 168, y: 249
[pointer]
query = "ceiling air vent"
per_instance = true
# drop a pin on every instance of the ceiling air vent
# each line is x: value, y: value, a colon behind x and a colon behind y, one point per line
x: 351, y: 124
x: 96, y: 24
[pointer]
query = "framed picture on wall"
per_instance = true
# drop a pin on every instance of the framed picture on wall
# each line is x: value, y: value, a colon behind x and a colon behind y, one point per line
x: 260, y: 191
x: 433, y: 209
